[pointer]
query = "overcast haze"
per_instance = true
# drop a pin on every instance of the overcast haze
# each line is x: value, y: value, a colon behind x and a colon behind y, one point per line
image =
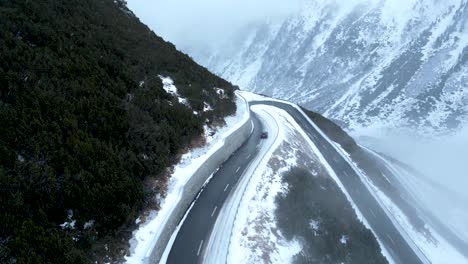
x: 195, y: 26
x: 189, y: 23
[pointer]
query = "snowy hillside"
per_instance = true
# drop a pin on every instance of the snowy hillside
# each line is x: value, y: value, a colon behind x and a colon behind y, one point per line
x: 387, y: 63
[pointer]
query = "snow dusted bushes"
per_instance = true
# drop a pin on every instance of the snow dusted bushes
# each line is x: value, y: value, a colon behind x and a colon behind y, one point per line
x: 315, y: 212
x: 367, y: 163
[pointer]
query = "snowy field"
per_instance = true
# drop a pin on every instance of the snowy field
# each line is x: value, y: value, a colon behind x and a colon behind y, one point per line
x: 145, y: 237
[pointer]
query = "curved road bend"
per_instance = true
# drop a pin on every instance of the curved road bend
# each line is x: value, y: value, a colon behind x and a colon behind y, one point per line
x: 380, y: 222
x: 194, y: 232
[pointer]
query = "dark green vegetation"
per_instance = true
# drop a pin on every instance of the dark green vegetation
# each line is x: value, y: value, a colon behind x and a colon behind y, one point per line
x: 333, y: 131
x: 317, y: 213
x: 373, y: 168
x: 80, y: 133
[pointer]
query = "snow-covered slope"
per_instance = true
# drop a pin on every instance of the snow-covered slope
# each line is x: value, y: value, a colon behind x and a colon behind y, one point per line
x: 389, y: 63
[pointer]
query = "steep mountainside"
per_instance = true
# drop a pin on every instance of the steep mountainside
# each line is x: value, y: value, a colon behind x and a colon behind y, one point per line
x: 365, y: 62
x: 85, y: 122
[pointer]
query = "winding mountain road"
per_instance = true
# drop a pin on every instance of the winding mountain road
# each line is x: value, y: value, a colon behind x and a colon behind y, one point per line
x: 380, y: 222
x: 196, y: 228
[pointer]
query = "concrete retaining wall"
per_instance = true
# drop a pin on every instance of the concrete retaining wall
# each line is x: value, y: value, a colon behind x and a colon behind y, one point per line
x: 231, y: 143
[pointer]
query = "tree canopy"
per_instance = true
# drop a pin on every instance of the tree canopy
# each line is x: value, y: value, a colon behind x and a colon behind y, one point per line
x: 84, y: 121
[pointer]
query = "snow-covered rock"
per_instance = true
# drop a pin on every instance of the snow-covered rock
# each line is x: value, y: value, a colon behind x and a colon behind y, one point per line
x: 386, y: 63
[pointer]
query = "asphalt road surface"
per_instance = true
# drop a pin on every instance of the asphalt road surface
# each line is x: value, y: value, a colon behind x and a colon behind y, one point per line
x: 364, y: 200
x: 194, y: 232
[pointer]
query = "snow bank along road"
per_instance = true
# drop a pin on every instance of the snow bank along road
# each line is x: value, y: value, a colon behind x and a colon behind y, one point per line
x: 194, y: 232
x: 218, y: 247
x: 379, y: 221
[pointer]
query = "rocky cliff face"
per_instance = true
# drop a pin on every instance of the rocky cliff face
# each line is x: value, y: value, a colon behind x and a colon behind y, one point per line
x: 379, y: 63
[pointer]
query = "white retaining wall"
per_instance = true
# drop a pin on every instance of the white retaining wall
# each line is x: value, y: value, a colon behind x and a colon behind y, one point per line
x: 231, y: 143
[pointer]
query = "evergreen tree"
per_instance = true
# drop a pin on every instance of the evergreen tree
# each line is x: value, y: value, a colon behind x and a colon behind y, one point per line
x: 84, y: 121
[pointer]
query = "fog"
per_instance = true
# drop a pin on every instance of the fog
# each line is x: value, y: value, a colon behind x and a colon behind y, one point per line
x: 442, y: 160
x: 201, y: 24
x: 197, y: 24
x: 207, y: 24
x: 193, y: 25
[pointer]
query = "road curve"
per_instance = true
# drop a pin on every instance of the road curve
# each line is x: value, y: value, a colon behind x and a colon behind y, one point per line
x: 218, y: 244
x: 380, y: 222
x: 195, y: 230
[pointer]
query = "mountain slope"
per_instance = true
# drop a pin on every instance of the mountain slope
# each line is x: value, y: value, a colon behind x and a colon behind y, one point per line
x: 364, y: 62
x: 86, y: 121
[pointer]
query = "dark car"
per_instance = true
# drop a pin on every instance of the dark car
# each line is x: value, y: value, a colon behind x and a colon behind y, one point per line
x: 264, y: 135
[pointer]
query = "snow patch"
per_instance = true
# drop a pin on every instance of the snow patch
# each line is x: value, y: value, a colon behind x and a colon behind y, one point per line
x: 70, y: 224
x: 170, y: 88
x: 315, y: 225
x: 88, y: 224
x: 207, y: 107
x: 344, y: 239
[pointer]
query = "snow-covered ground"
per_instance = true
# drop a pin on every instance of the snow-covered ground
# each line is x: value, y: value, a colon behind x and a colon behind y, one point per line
x: 433, y: 248
x: 253, y: 237
x: 145, y: 237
